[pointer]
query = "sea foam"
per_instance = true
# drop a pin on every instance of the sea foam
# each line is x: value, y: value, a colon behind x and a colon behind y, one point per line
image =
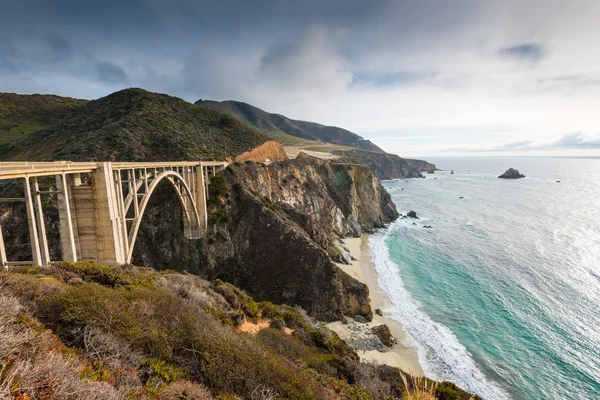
x: 441, y: 355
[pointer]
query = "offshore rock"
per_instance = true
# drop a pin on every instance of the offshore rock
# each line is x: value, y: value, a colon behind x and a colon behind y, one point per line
x: 512, y: 173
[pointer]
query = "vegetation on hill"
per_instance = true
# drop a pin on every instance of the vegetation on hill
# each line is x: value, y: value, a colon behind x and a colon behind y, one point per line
x: 23, y: 114
x: 287, y: 130
x: 136, y: 125
x: 90, y: 331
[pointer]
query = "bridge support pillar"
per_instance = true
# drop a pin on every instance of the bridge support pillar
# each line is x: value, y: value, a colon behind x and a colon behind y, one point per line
x: 201, y: 193
x: 3, y: 259
x: 109, y: 232
x: 33, y: 232
x: 41, y: 225
x: 67, y: 234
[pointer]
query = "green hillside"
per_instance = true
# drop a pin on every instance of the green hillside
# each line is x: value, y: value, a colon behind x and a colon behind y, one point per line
x: 289, y: 131
x: 23, y: 114
x: 136, y: 125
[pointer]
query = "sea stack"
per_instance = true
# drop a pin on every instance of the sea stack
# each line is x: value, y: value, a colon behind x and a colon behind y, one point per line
x: 412, y: 214
x: 512, y: 173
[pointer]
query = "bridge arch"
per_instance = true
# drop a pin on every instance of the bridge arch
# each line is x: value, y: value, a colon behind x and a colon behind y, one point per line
x: 185, y: 196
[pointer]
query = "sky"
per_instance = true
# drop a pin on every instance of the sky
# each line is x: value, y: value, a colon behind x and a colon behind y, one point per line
x: 421, y: 77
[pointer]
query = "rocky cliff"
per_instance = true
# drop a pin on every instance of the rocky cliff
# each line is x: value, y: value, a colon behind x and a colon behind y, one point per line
x: 421, y: 165
x: 385, y: 165
x: 274, y: 231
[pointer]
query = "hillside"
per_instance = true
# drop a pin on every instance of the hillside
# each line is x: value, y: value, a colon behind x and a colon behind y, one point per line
x: 136, y: 125
x: 94, y: 332
x: 23, y: 114
x: 385, y: 165
x: 289, y: 131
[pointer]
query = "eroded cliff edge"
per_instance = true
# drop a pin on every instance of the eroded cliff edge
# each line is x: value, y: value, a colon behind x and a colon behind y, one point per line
x: 274, y: 231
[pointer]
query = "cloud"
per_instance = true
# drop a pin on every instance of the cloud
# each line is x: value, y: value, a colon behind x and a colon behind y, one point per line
x: 307, y: 62
x: 574, y: 140
x: 58, y: 47
x: 371, y: 67
x: 397, y: 78
x: 110, y: 73
x: 524, y: 52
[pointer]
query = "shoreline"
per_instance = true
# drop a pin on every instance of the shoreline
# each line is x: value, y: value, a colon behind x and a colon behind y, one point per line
x: 400, y: 355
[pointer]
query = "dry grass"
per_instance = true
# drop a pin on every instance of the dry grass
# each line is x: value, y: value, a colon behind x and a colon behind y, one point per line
x: 420, y: 388
x: 185, y: 390
x: 35, y: 365
x: 271, y: 150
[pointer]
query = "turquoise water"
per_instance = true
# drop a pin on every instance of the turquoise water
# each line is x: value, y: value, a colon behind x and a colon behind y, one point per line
x: 502, y: 295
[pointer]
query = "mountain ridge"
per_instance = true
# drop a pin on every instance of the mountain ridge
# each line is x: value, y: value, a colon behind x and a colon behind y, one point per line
x: 137, y: 125
x: 281, y: 127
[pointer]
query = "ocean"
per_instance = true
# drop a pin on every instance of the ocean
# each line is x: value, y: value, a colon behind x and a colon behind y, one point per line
x: 502, y: 294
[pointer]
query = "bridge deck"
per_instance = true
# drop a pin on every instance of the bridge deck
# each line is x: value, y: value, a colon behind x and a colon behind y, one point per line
x: 14, y: 170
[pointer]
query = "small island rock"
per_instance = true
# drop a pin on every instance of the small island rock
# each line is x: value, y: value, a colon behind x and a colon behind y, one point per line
x: 512, y: 173
x: 412, y: 214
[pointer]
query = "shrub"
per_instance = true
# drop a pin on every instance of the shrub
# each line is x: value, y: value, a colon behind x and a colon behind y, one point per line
x: 217, y: 188
x: 159, y: 324
x: 185, y: 390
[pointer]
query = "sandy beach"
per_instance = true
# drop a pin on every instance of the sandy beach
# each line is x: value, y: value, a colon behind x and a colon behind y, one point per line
x: 400, y: 355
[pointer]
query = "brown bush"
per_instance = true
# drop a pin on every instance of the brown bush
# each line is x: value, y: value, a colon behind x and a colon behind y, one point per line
x: 185, y: 390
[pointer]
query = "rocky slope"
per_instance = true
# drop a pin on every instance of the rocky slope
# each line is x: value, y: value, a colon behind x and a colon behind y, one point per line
x: 270, y: 150
x: 136, y: 125
x: 421, y: 165
x: 274, y: 232
x: 287, y: 130
x: 23, y: 114
x: 385, y: 165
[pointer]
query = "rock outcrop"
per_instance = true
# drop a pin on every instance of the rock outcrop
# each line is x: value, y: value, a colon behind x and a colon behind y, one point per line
x: 386, y: 166
x: 274, y: 232
x: 512, y: 173
x: 421, y: 165
x: 384, y: 334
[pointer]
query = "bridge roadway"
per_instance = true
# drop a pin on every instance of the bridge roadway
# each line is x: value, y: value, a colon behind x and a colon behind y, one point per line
x: 101, y: 204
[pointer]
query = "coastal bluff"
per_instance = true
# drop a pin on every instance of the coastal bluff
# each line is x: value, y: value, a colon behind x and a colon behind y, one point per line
x: 275, y: 232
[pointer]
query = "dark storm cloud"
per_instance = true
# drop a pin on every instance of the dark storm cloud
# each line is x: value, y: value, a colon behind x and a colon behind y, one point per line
x: 58, y: 47
x: 526, y: 51
x: 110, y: 73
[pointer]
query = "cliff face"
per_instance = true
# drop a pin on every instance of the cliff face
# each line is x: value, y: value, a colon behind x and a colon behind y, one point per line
x: 386, y: 166
x: 421, y: 165
x: 274, y: 231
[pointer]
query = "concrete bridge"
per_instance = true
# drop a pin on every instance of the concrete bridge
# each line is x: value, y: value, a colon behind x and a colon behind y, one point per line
x: 101, y: 204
